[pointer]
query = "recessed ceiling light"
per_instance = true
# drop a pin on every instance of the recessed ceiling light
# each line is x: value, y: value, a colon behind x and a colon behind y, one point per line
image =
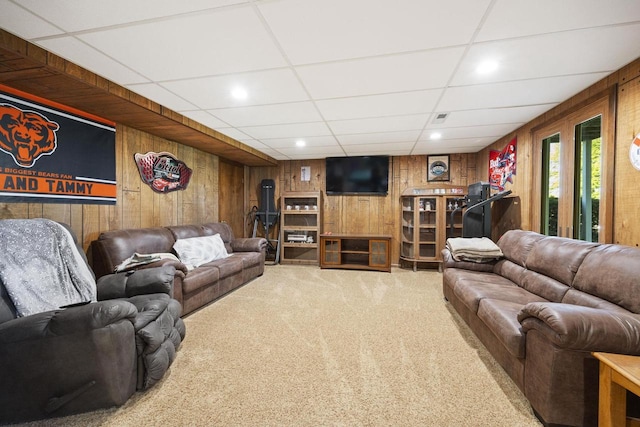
x: 300, y: 143
x: 239, y: 93
x: 435, y: 135
x: 487, y: 67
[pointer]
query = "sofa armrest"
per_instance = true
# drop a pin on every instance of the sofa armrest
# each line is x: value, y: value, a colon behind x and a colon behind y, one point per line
x: 137, y: 282
x: 449, y: 262
x: 579, y: 328
x: 67, y: 321
x: 249, y: 244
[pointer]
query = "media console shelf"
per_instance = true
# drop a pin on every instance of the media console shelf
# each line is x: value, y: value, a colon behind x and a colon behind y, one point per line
x: 360, y: 252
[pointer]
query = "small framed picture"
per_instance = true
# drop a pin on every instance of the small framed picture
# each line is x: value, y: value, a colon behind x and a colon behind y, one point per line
x: 438, y: 168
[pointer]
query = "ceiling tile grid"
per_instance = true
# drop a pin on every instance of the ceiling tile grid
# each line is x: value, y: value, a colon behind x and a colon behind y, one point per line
x: 303, y: 79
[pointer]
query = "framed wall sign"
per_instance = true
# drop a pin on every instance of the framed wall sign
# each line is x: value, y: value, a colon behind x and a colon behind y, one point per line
x: 163, y: 172
x: 438, y: 168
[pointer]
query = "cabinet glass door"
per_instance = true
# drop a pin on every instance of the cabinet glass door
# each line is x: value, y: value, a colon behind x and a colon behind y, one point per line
x: 378, y: 250
x: 427, y: 238
x: 408, y: 227
x: 331, y: 251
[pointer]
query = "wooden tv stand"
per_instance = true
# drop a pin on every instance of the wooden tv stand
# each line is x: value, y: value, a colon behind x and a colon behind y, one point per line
x: 352, y: 251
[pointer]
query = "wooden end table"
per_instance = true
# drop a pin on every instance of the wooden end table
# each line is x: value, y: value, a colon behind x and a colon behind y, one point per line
x: 618, y: 373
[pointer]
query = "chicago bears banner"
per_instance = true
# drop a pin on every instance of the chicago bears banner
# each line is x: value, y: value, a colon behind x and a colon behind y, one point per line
x: 50, y: 153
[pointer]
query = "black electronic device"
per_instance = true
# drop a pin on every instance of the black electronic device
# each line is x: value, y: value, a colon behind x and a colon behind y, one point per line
x: 476, y: 218
x: 357, y: 175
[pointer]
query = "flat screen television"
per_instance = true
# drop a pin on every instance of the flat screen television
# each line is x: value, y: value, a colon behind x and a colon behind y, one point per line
x: 357, y: 175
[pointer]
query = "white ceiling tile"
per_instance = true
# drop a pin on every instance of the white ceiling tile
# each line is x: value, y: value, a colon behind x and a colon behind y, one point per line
x: 296, y: 130
x: 518, y: 93
x: 394, y: 104
x: 80, y: 53
x: 453, y: 146
x: 311, y: 141
x: 255, y: 144
x: 233, y: 133
x: 316, y: 31
x: 205, y: 118
x: 263, y: 87
x: 25, y: 24
x: 361, y: 150
x: 76, y: 15
x: 221, y: 41
x: 381, y: 124
x: 379, y: 75
x: 513, y: 115
x: 495, y: 131
x: 379, y: 138
x: 269, y: 114
x: 161, y: 96
x: 551, y: 55
x: 517, y: 18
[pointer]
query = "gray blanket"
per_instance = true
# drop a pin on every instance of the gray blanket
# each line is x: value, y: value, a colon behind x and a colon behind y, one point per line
x: 474, y: 249
x: 40, y: 266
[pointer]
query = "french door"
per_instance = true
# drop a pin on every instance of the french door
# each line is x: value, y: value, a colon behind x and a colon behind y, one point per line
x: 573, y: 171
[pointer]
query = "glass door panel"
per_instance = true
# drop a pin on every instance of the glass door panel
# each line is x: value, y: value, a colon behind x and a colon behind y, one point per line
x: 551, y: 179
x: 586, y: 210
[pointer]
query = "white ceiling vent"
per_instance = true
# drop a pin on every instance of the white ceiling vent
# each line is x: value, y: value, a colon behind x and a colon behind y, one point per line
x: 440, y: 118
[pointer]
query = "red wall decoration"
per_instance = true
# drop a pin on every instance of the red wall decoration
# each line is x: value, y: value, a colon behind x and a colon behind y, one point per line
x: 502, y: 166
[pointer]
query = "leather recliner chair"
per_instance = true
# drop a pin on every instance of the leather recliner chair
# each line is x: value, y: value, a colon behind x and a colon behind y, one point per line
x: 90, y: 356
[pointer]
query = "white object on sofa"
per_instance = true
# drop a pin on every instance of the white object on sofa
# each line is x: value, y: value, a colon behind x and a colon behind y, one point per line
x: 195, y: 251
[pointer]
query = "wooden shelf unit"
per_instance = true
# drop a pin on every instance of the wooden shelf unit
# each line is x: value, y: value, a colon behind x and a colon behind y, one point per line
x: 300, y: 216
x: 359, y: 252
x: 426, y: 222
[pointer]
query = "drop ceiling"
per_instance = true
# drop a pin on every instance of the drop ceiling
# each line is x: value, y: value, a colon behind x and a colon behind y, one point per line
x: 344, y: 77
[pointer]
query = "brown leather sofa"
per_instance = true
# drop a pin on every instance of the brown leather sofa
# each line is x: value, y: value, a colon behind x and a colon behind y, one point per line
x: 542, y: 310
x: 194, y: 288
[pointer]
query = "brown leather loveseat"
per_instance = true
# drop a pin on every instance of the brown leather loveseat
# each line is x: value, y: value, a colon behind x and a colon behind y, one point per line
x: 192, y: 288
x: 543, y: 308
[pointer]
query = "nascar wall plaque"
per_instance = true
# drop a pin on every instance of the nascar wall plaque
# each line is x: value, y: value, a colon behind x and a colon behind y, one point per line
x: 51, y: 153
x: 162, y: 171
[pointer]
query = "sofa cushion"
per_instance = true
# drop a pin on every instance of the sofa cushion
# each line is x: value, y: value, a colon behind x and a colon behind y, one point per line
x: 186, y: 231
x: 576, y: 297
x: 502, y: 318
x: 509, y: 270
x: 228, y: 266
x: 546, y: 287
x: 611, y: 272
x: 471, y: 291
x: 221, y: 228
x: 558, y: 257
x: 516, y: 244
x: 199, y: 277
x: 249, y: 259
x: 196, y: 251
x: 113, y: 247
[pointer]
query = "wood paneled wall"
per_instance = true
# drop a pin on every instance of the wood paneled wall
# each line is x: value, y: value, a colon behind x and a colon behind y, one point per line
x: 626, y: 203
x: 361, y: 214
x: 137, y: 205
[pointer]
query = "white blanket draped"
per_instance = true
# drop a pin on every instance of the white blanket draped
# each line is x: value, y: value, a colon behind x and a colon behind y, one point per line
x: 474, y: 249
x: 40, y: 266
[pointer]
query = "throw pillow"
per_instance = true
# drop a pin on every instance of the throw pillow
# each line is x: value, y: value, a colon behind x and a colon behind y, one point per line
x: 195, y: 251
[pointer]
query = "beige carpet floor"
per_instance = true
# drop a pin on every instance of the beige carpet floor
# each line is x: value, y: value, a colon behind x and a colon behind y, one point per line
x: 301, y: 346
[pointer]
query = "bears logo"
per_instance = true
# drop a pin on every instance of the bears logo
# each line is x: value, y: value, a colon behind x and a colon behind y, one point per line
x: 26, y: 135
